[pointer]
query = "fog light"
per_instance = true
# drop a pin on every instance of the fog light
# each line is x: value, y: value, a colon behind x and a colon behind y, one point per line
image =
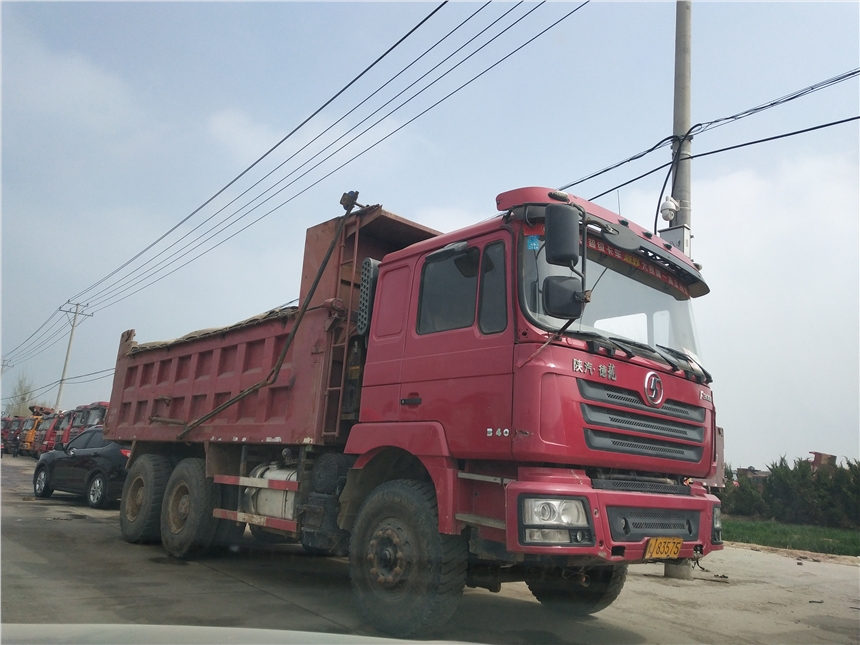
x: 554, y: 536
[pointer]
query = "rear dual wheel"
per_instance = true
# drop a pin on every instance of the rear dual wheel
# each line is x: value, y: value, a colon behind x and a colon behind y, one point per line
x: 142, y: 495
x: 187, y: 524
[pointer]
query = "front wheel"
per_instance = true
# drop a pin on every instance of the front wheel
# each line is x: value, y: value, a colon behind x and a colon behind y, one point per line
x: 556, y: 589
x: 97, y: 491
x: 406, y: 577
x: 40, y: 483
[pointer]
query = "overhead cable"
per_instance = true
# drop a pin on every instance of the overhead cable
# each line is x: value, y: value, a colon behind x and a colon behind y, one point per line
x: 269, y: 212
x: 130, y: 279
x: 266, y: 154
x: 734, y: 147
x: 703, y: 127
x: 131, y: 282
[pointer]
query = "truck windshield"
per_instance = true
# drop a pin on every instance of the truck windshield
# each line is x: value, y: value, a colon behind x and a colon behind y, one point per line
x: 631, y: 298
x: 97, y: 415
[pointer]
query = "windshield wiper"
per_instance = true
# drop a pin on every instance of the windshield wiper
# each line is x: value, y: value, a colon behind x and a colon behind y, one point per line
x: 696, y: 365
x: 671, y: 362
x: 599, y: 340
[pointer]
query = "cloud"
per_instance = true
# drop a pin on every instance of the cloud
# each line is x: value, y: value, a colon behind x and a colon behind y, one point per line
x: 65, y: 86
x: 237, y: 133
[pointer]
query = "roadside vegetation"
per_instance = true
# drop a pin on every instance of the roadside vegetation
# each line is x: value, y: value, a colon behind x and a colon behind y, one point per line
x: 22, y: 398
x: 817, y: 539
x: 796, y: 508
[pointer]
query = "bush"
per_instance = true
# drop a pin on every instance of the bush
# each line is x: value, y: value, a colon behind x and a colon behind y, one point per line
x: 828, y: 497
x: 743, y: 499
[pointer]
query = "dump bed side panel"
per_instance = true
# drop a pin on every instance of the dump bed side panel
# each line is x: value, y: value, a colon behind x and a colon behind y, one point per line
x: 158, y: 389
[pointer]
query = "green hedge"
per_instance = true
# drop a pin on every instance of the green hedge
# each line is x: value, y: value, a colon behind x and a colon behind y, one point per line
x: 794, y: 494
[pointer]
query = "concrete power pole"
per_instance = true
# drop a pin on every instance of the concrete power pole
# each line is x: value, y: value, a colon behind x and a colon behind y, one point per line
x: 679, y: 233
x: 68, y: 352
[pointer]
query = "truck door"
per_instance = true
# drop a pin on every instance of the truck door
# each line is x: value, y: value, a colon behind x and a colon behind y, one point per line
x: 457, y: 367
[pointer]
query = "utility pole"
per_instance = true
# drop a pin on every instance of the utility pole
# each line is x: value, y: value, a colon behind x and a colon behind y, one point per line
x: 77, y: 313
x: 679, y: 233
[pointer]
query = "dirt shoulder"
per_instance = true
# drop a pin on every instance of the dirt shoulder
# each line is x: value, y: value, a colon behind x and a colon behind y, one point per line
x: 796, y: 554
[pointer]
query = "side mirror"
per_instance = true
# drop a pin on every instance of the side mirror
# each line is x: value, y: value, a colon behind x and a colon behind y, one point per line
x: 59, y: 446
x: 562, y: 235
x: 563, y: 297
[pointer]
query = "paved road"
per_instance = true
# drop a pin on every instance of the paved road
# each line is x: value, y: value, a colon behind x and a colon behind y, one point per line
x: 63, y: 562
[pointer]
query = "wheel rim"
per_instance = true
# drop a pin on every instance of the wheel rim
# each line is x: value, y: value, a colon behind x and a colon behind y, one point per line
x: 134, y: 499
x: 390, y: 557
x: 178, y: 508
x: 41, y: 481
x: 97, y: 489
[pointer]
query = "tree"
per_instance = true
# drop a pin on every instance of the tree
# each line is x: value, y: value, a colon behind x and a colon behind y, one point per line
x: 22, y: 397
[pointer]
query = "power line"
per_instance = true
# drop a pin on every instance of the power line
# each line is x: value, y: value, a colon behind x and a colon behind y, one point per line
x: 40, y: 343
x: 8, y: 361
x: 107, y: 304
x: 704, y: 127
x: 196, y: 243
x: 734, y: 147
x: 43, y: 389
x: 129, y: 280
x: 267, y: 153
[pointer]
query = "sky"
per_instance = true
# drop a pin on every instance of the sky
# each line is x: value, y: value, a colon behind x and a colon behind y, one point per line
x: 120, y: 119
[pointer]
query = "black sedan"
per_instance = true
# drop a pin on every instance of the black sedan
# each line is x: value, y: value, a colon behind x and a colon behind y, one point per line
x: 89, y: 465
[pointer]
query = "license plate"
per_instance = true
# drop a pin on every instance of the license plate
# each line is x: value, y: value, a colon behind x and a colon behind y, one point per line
x: 663, y: 548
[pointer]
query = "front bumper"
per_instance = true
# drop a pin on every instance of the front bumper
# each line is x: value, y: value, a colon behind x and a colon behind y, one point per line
x: 621, y: 523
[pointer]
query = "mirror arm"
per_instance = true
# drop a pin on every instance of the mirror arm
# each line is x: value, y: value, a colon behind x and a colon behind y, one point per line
x: 549, y: 340
x: 584, y: 254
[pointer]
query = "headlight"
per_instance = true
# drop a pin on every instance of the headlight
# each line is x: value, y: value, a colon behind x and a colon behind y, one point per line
x: 569, y: 513
x: 718, y: 520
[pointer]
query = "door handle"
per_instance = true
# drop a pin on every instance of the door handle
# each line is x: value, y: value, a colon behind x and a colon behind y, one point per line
x: 413, y: 401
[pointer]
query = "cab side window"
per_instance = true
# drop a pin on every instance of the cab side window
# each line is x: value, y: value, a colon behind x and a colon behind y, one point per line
x: 448, y: 294
x: 493, y: 308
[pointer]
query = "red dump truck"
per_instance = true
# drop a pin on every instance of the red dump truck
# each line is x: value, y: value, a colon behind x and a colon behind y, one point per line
x: 519, y: 400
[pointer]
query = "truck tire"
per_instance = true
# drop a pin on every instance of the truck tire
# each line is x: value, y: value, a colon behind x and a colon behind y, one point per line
x: 557, y: 593
x: 142, y: 493
x: 406, y: 577
x: 97, y: 491
x: 40, y: 483
x: 187, y: 523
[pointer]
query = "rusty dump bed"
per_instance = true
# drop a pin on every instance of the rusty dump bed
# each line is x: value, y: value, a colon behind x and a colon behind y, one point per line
x: 160, y: 388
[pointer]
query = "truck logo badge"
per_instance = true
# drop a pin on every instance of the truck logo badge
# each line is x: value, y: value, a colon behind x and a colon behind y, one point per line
x: 653, y: 389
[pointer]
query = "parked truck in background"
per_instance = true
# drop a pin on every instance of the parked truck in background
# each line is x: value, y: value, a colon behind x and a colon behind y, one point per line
x: 519, y: 400
x: 30, y: 427
x: 83, y: 417
x: 45, y: 434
